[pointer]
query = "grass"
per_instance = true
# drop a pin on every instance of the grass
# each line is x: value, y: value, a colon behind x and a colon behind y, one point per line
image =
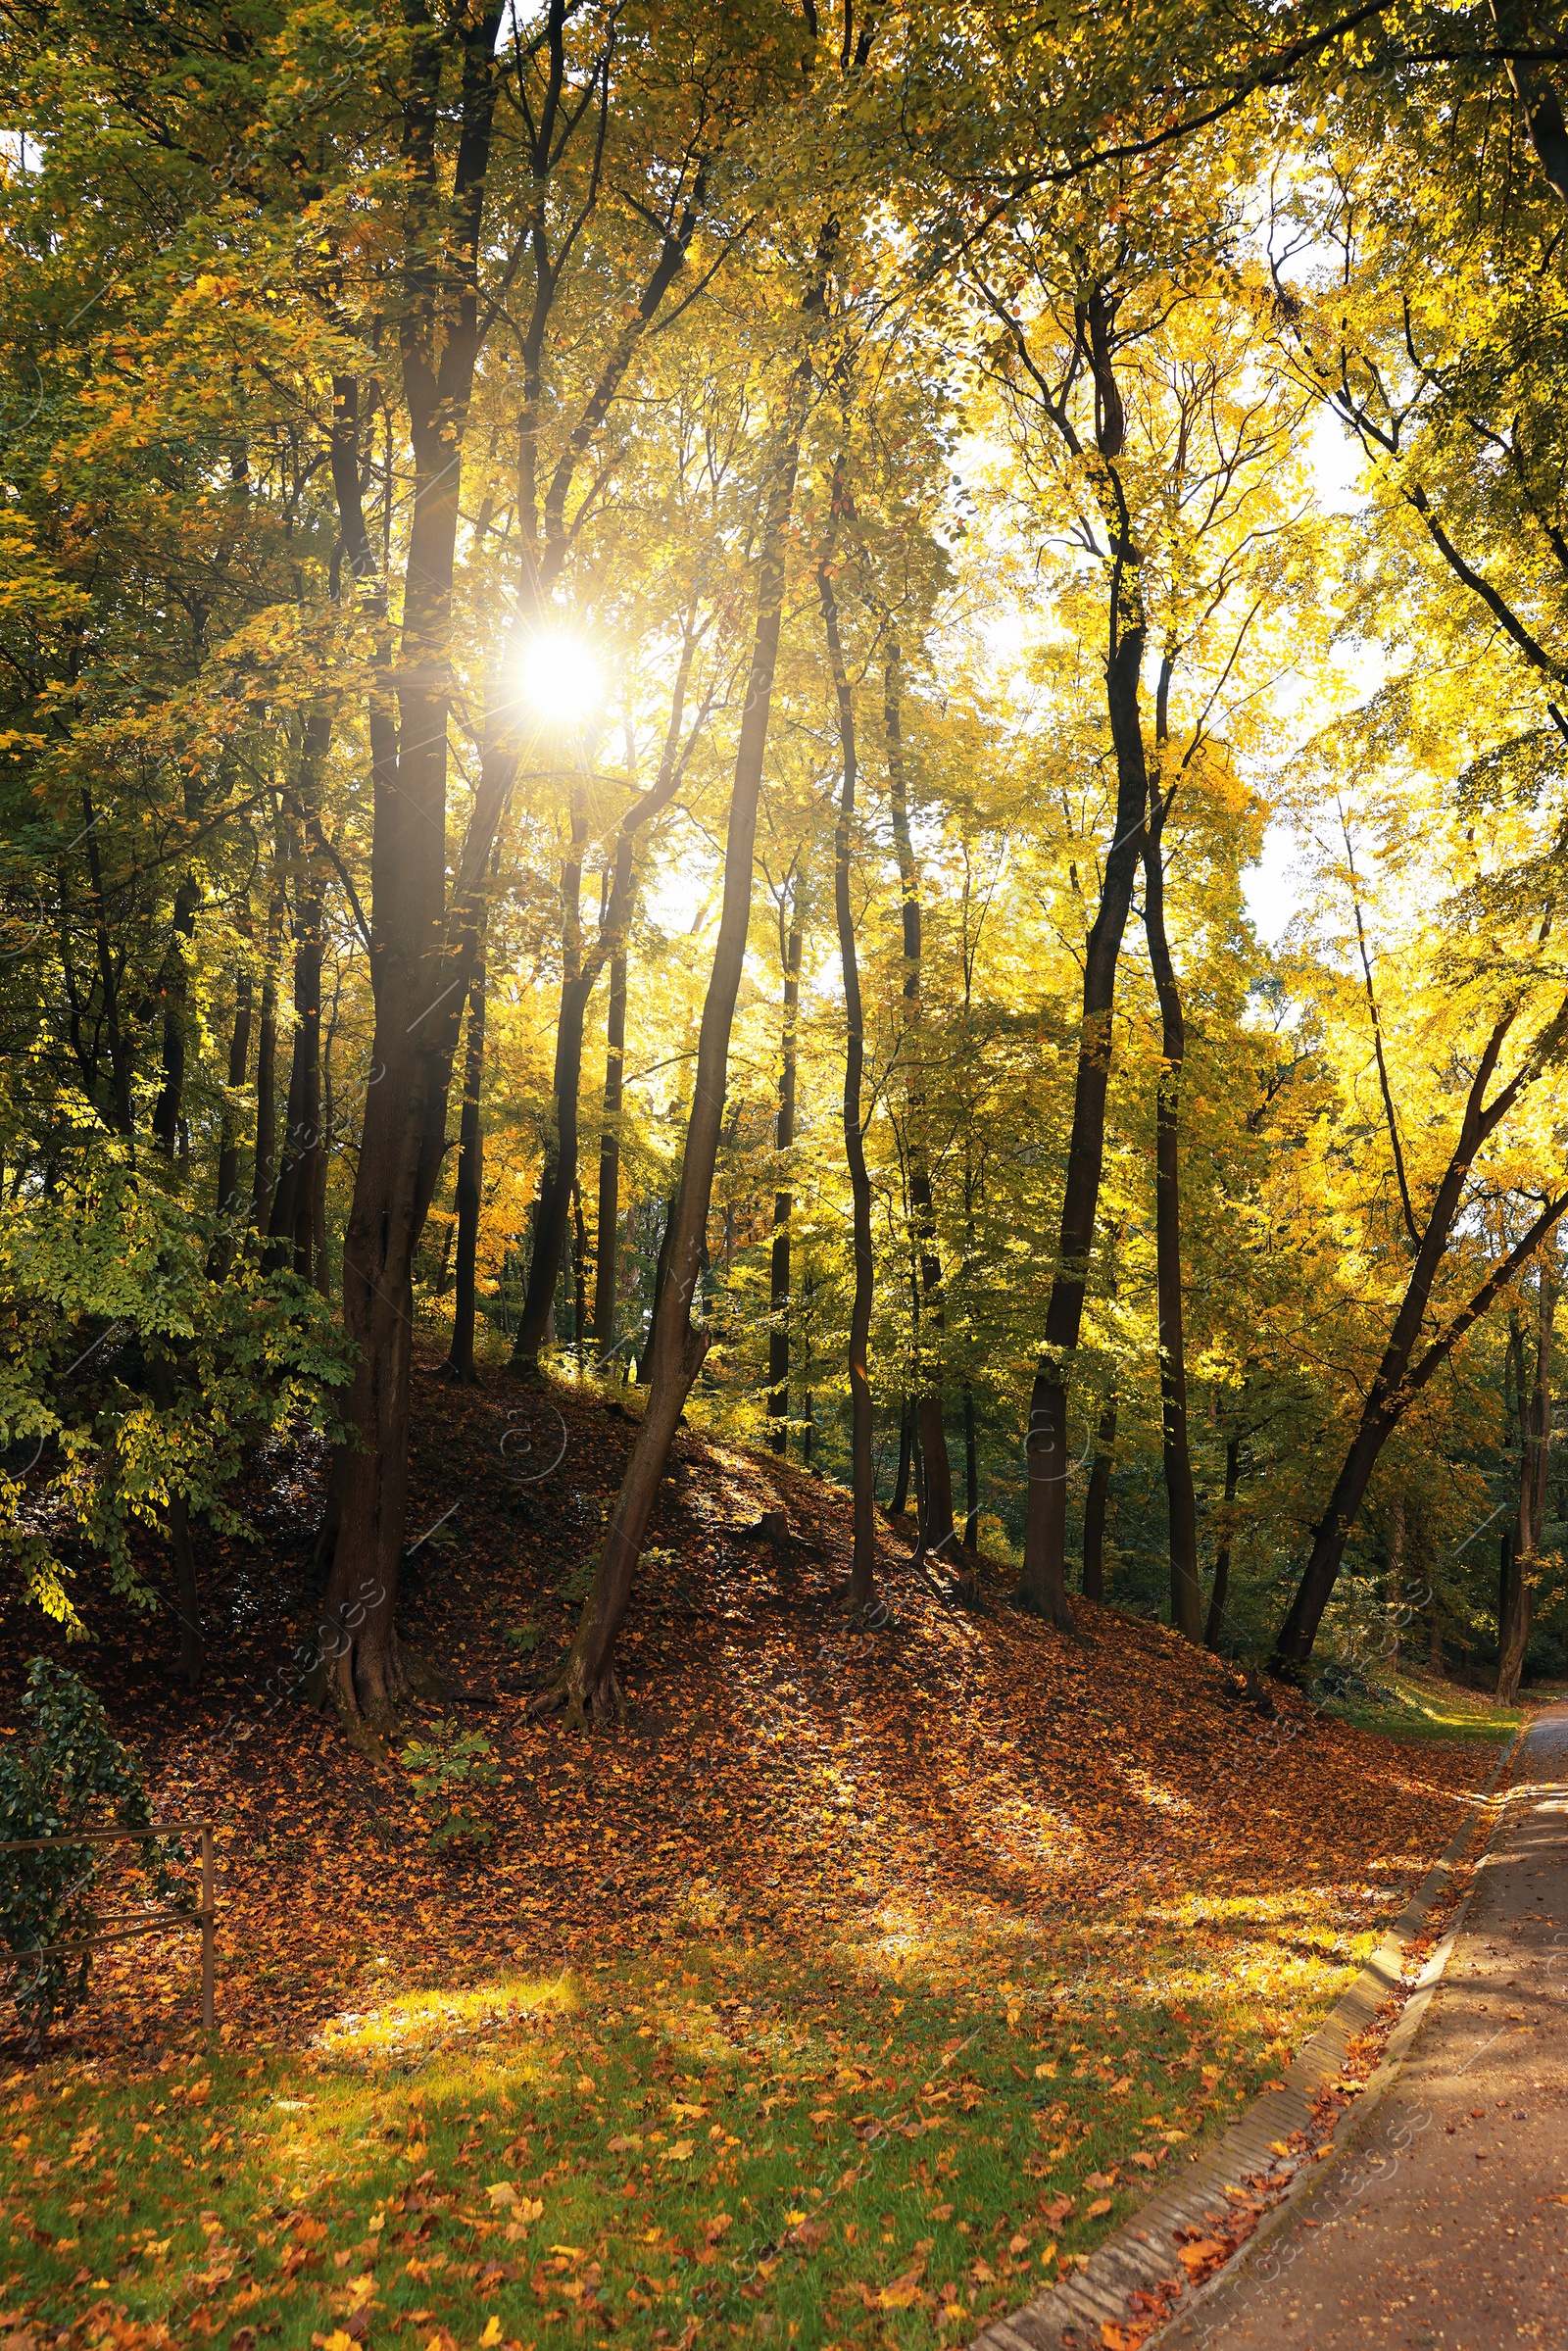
x: 843, y: 1992
x: 1417, y: 1705
x: 742, y: 2143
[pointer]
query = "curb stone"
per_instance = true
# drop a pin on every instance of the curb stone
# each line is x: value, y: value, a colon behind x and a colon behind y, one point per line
x: 1142, y: 2254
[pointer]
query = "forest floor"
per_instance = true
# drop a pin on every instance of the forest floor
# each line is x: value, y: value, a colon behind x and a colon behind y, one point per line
x: 848, y: 1990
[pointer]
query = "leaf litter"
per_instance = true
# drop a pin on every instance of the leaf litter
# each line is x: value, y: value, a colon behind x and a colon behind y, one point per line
x: 847, y: 1992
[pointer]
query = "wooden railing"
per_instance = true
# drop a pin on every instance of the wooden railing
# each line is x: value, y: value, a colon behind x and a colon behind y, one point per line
x: 155, y: 1922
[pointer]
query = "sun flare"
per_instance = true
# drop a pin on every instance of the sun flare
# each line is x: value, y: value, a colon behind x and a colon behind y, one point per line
x: 561, y: 678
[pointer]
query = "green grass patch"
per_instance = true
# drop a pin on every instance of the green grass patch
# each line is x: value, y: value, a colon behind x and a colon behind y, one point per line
x: 1411, y: 1705
x: 718, y: 2138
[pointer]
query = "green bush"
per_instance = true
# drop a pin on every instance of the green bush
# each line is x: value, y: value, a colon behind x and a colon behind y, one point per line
x: 66, y: 1772
x: 447, y: 1768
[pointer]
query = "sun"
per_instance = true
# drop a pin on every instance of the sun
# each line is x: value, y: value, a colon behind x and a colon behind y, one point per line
x: 560, y: 677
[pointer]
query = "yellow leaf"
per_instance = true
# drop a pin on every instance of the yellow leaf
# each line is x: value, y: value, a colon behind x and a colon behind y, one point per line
x: 492, y: 2332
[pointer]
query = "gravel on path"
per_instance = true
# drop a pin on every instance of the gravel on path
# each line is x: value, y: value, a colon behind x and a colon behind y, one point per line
x: 1445, y: 2222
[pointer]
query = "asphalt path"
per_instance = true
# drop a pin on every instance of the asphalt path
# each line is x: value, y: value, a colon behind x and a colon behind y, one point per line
x: 1446, y: 2221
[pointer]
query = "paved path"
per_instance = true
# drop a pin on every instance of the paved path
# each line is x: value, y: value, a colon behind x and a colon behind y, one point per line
x: 1447, y: 2221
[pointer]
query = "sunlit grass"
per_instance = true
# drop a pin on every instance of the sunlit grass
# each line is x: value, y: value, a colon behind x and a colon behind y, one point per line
x: 887, y: 2144
x: 1426, y: 1706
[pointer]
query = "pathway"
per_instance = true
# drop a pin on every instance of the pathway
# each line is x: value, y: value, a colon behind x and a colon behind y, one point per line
x: 1445, y: 2222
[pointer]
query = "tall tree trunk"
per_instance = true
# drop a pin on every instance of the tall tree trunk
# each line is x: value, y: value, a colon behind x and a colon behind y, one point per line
x: 173, y: 987
x: 323, y: 1158
x: 1186, y: 1597
x: 1043, y: 1587
x: 558, y: 1176
x: 228, y: 1200
x: 971, y: 1475
x: 1395, y: 1584
x: 1535, y: 1440
x: 666, y: 1242
x: 579, y: 1276
x: 458, y: 1364
x: 863, y: 1563
x: 423, y: 938
x: 1220, y: 1593
x: 1402, y: 1375
x: 778, y: 1331
x: 899, y: 1498
x: 291, y: 1226
x: 121, y: 1050
x: 607, y: 1265
x: 1096, y: 1499
x: 581, y: 973
x: 936, y: 1528
x: 587, y: 1681
x: 262, y: 1166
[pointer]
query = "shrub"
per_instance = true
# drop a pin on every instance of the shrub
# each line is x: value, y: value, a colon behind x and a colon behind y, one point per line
x: 68, y: 1772
x: 446, y: 1769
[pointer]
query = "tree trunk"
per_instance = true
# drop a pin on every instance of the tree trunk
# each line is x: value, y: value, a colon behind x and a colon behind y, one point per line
x: 1535, y: 1432
x: 582, y: 974
x: 1096, y: 1501
x: 936, y: 1528
x: 1186, y: 1598
x: 778, y: 1330
x: 1396, y: 1585
x: 863, y: 1566
x: 1220, y: 1592
x: 292, y: 1224
x: 898, y: 1500
x: 579, y: 1276
x: 1399, y: 1377
x: 607, y: 1265
x: 169, y: 1105
x: 1043, y: 1587
x: 323, y: 1158
x: 458, y: 1364
x: 425, y: 940
x: 587, y: 1681
x: 667, y: 1239
x: 228, y: 1200
x: 558, y: 1176
x: 971, y: 1476
x: 266, y: 1098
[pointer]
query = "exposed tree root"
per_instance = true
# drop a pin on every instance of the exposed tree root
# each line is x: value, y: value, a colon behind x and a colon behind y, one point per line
x: 583, y: 1706
x: 1035, y: 1603
x: 869, y: 1606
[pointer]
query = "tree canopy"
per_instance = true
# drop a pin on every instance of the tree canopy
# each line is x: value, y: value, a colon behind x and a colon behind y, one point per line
x: 847, y: 721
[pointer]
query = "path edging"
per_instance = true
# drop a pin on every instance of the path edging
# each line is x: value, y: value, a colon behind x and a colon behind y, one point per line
x: 1142, y: 2254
